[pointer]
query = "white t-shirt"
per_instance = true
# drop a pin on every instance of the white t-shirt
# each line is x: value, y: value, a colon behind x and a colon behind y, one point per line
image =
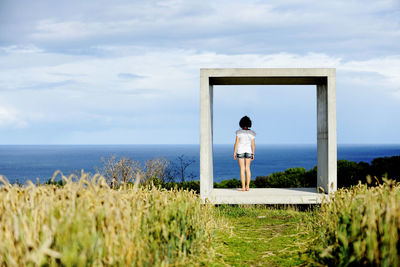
x: 244, y: 143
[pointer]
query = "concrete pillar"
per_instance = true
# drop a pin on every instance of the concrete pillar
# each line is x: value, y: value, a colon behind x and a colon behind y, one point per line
x: 326, y: 136
x: 206, y: 137
x: 332, y: 132
x: 322, y: 137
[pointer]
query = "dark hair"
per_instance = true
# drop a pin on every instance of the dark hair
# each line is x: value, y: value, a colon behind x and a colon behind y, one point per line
x: 245, y: 122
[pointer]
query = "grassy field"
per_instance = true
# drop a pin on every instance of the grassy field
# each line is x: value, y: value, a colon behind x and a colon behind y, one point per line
x: 360, y: 227
x: 261, y: 236
x: 87, y: 223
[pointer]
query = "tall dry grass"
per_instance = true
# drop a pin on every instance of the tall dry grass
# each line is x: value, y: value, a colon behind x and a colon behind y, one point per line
x: 85, y: 222
x: 360, y: 226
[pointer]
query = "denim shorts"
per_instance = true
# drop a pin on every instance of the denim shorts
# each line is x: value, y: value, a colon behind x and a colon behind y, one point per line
x: 244, y: 155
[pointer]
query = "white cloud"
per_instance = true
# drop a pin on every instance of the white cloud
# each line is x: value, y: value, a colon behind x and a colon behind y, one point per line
x: 70, y: 30
x: 153, y: 73
x: 21, y: 49
x: 229, y: 27
x: 388, y: 67
x: 11, y: 118
x: 131, y: 88
x: 397, y: 93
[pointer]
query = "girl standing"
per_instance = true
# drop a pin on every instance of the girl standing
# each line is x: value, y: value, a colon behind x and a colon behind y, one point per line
x: 244, y: 151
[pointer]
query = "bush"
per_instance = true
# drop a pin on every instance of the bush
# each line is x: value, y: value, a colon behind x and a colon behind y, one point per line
x: 292, y: 177
x: 347, y: 173
x: 232, y: 183
x: 119, y: 171
x: 350, y: 172
x: 386, y: 166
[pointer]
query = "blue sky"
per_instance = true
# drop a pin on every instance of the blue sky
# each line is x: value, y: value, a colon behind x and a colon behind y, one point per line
x: 127, y: 72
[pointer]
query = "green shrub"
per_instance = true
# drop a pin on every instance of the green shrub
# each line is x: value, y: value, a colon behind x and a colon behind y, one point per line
x: 292, y: 177
x: 389, y: 166
x: 232, y: 183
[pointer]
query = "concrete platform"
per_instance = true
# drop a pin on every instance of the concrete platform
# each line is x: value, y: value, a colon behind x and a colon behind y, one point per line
x: 267, y: 196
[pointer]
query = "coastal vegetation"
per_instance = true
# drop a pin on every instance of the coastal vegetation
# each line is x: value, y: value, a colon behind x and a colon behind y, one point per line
x: 169, y: 175
x: 361, y: 226
x: 133, y: 214
x: 86, y: 222
x: 349, y: 173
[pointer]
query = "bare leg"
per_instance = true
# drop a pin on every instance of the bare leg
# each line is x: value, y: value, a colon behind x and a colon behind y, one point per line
x: 242, y: 173
x: 248, y: 173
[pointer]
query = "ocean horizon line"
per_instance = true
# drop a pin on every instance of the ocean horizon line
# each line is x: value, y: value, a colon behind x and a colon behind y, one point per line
x: 20, y: 161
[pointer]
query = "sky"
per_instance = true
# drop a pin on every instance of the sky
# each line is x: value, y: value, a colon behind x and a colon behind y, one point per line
x: 127, y: 72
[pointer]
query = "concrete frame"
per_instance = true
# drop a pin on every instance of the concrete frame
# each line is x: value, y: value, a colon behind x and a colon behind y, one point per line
x: 325, y: 81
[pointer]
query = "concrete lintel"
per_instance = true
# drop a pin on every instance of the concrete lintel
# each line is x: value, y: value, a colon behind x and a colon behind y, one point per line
x: 268, y: 72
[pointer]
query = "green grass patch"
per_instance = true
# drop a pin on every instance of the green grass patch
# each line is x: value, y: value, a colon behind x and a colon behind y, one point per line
x: 261, y: 236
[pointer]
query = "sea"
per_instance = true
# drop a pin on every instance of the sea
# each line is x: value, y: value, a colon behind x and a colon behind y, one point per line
x: 19, y: 163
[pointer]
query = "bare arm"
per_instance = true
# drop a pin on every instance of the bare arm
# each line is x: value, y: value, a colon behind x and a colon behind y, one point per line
x: 235, y: 147
x: 253, y: 147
